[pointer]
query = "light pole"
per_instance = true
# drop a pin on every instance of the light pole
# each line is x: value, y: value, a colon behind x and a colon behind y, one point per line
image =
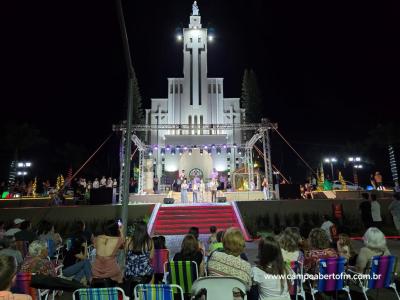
x: 355, y: 162
x: 23, y: 168
x: 331, y: 161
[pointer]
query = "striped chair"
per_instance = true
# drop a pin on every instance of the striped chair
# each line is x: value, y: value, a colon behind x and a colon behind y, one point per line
x: 161, y: 256
x: 381, y: 270
x: 23, y: 286
x: 99, y: 294
x: 330, y: 267
x: 182, y: 273
x: 296, y: 289
x: 157, y: 291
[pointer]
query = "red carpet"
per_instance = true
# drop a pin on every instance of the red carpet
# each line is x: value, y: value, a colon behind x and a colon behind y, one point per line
x: 176, y: 220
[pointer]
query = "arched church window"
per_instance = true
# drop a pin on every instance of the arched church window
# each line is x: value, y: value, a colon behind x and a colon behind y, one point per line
x: 176, y: 88
x: 214, y: 88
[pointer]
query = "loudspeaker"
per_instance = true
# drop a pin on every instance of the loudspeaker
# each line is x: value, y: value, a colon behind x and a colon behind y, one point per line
x: 289, y: 191
x: 221, y: 199
x: 169, y: 200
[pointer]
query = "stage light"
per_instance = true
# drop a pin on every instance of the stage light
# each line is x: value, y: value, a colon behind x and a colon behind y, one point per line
x: 206, y: 147
x: 185, y: 148
x: 218, y: 151
x: 20, y: 165
x: 172, y: 151
x: 333, y: 159
x: 224, y: 146
x: 228, y: 150
x: 168, y: 148
x: 358, y: 158
x: 190, y: 151
x: 28, y: 164
x: 162, y: 151
x: 179, y: 37
x: 351, y: 158
x: 234, y: 145
x: 210, y: 38
x: 155, y: 147
x: 213, y: 146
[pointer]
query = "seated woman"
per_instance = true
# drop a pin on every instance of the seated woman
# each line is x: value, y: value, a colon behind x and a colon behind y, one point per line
x: 374, y: 245
x: 190, y: 251
x: 271, y: 263
x: 228, y: 262
x: 319, y: 247
x: 8, y: 273
x: 345, y: 249
x: 105, y: 265
x: 37, y: 261
x: 195, y: 232
x: 289, y: 243
x: 76, y: 262
x: 140, y: 250
x: 159, y: 244
x: 46, y: 232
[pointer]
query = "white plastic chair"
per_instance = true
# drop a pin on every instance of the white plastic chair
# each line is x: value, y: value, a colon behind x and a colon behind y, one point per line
x: 219, y: 288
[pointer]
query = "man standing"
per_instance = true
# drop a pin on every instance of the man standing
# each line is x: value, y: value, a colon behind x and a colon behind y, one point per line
x: 326, y: 226
x: 394, y: 209
x: 378, y: 181
x: 376, y: 212
x: 365, y: 209
x: 202, y: 189
x: 213, y: 189
x: 195, y: 189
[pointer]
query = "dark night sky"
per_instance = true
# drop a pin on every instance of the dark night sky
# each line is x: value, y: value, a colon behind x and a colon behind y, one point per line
x: 329, y: 71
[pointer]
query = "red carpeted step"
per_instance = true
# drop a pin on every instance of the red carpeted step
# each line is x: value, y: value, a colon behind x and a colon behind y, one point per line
x: 176, y: 220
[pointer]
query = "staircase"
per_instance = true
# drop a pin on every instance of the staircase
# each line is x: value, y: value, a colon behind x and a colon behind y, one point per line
x: 177, y: 219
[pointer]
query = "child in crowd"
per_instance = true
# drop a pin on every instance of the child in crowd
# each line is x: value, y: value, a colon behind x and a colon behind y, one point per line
x: 217, y: 245
x: 345, y: 249
x: 213, y: 236
x: 159, y: 258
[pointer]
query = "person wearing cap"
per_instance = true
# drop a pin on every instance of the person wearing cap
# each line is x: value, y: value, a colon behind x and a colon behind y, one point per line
x: 16, y: 228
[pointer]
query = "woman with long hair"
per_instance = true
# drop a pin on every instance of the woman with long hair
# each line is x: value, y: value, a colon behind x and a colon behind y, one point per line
x: 190, y: 252
x: 105, y: 266
x: 271, y: 263
x: 140, y: 250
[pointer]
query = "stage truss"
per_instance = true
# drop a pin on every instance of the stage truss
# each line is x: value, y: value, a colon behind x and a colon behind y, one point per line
x: 261, y: 131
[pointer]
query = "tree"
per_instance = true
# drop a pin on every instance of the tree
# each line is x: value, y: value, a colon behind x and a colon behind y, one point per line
x: 137, y: 115
x: 251, y: 98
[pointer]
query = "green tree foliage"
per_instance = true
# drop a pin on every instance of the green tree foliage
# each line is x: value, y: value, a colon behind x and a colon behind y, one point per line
x: 137, y: 102
x: 251, y: 98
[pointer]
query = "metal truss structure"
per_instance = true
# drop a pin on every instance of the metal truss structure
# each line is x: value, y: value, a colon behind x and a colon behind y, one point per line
x: 261, y: 132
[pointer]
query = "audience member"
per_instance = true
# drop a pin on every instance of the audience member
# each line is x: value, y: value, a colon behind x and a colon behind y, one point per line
x: 345, y: 248
x: 229, y: 263
x: 326, y: 226
x: 319, y: 248
x: 76, y: 262
x: 213, y: 236
x: 2, y: 230
x: 190, y: 252
x: 218, y: 245
x: 195, y: 232
x: 26, y: 233
x: 107, y: 244
x: 271, y: 262
x: 289, y: 243
x: 159, y: 242
x: 394, y: 209
x: 374, y: 245
x: 16, y: 227
x: 79, y: 230
x: 46, y: 232
x: 8, y: 273
x: 7, y: 246
x: 376, y: 211
x: 37, y: 260
x: 140, y: 250
x: 365, y: 209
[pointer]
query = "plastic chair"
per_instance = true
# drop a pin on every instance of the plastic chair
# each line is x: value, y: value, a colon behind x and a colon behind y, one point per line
x: 218, y: 287
x: 23, y: 286
x: 99, y: 294
x: 331, y: 267
x: 157, y: 291
x: 381, y: 270
x: 161, y: 256
x: 182, y: 273
x: 297, y: 289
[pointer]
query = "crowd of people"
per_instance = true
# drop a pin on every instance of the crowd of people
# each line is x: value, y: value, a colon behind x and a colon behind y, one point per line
x: 95, y: 259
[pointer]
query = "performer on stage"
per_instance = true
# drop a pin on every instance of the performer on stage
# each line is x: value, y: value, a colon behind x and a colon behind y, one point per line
x: 265, y: 186
x: 195, y: 189
x: 213, y: 189
x: 202, y: 189
x: 184, y: 195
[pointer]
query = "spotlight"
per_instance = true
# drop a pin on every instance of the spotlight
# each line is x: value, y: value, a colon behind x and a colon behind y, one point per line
x: 190, y: 151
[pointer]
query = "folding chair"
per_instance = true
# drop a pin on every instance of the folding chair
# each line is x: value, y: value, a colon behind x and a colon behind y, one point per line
x: 99, y: 294
x: 334, y: 268
x: 161, y: 256
x: 182, y: 273
x: 381, y: 270
x: 297, y: 289
x: 23, y: 286
x: 218, y: 287
x: 157, y: 291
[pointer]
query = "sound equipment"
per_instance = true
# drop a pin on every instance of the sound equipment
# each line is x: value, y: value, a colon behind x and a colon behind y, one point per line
x: 169, y: 200
x: 289, y: 191
x: 221, y: 199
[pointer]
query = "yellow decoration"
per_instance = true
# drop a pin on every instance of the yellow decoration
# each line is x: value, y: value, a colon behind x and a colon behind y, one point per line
x: 343, y: 183
x: 321, y: 178
x: 60, y: 183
